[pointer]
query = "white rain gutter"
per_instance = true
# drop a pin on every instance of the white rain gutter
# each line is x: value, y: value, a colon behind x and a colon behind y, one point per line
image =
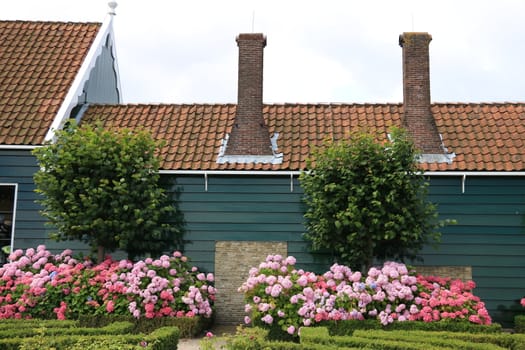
x: 464, y: 174
x: 71, y: 99
x: 474, y: 173
x: 19, y: 147
x: 206, y: 173
x: 291, y: 174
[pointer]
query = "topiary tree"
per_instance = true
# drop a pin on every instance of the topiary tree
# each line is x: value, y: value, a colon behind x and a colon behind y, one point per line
x: 367, y: 200
x: 102, y: 187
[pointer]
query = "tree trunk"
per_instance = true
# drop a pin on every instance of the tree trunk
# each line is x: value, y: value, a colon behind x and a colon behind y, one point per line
x: 369, y: 256
x: 100, y: 254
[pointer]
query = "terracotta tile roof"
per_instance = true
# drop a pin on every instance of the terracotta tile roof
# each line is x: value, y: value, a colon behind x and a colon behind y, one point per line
x: 485, y: 137
x: 38, y: 63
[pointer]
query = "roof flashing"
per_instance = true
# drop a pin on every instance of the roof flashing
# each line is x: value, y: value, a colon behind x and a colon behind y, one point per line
x: 274, y: 158
x: 436, y: 158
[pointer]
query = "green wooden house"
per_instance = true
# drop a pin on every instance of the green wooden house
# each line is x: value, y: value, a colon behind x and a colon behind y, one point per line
x: 237, y: 165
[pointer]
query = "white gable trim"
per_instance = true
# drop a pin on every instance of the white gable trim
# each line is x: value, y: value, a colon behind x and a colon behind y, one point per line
x: 71, y: 99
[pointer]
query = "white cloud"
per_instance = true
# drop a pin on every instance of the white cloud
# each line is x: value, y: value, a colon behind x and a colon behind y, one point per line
x: 343, y: 51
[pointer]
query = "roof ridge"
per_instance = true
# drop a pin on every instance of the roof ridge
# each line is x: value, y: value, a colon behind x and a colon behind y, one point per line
x: 496, y: 103
x: 160, y: 104
x: 46, y: 21
x: 306, y: 104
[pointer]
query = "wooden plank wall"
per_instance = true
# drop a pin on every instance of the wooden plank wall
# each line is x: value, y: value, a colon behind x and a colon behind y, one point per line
x: 18, y: 166
x: 489, y: 236
x: 246, y: 208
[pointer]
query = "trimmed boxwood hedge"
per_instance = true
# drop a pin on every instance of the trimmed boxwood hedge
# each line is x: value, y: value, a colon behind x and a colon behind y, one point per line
x: 112, y: 336
x: 398, y: 340
x: 42, y: 329
x: 188, y: 326
x: 519, y: 323
x: 347, y: 327
x: 317, y: 338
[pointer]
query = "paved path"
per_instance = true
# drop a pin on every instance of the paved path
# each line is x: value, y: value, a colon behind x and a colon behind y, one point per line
x: 193, y: 344
x: 218, y: 331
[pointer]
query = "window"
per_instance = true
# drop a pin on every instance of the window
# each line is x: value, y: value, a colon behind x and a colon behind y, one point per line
x: 7, y: 219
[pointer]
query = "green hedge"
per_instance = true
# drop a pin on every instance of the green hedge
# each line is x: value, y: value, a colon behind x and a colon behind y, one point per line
x: 257, y: 339
x: 113, y: 336
x: 188, y: 326
x: 318, y: 338
x: 320, y: 335
x: 455, y: 340
x: 165, y: 338
x: 10, y: 323
x: 347, y: 327
x: 519, y: 323
x: 42, y: 329
x: 398, y: 340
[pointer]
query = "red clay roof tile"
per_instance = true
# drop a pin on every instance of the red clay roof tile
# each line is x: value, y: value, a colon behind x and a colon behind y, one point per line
x: 487, y: 140
x: 38, y: 62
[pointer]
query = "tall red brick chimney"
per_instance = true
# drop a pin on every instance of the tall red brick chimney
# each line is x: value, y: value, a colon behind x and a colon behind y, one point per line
x: 418, y: 119
x: 249, y: 135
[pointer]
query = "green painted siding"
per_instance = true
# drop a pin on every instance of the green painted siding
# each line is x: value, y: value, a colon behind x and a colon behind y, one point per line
x: 18, y: 167
x: 243, y: 208
x: 489, y: 235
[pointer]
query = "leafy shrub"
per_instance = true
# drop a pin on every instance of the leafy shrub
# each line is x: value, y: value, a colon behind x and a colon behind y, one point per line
x: 103, y: 187
x: 367, y: 199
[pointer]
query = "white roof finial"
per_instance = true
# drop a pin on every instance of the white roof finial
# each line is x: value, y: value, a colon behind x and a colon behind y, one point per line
x: 112, y: 6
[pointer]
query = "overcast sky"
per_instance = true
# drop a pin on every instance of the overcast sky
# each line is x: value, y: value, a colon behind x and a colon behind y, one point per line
x: 317, y: 51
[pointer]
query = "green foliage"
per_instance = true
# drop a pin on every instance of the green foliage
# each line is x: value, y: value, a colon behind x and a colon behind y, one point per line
x: 118, y: 335
x: 188, y: 326
x: 519, y: 323
x: 347, y: 327
x: 255, y: 338
x: 455, y: 340
x: 44, y: 331
x: 367, y: 200
x: 395, y: 339
x: 102, y: 187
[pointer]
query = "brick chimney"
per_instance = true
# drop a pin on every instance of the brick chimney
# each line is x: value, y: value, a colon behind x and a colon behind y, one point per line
x: 418, y: 119
x: 249, y: 135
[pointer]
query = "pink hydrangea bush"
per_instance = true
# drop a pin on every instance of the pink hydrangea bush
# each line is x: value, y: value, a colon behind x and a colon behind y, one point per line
x: 277, y: 294
x: 37, y: 283
x: 522, y: 302
x: 441, y: 298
